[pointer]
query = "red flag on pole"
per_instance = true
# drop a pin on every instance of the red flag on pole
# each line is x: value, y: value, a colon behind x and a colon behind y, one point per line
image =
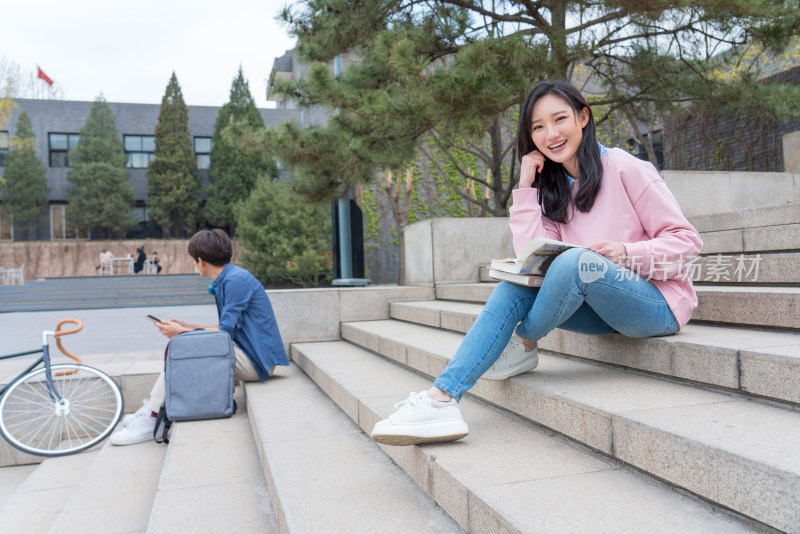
x: 45, y: 77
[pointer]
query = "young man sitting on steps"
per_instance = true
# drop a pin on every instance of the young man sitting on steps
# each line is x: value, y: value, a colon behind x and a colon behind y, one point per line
x: 244, y: 312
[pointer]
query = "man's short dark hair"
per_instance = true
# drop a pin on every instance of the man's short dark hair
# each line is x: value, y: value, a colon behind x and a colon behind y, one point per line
x: 214, y: 246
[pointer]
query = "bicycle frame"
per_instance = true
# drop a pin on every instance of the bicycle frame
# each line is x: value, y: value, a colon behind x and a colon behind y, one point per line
x: 45, y: 350
x: 45, y: 357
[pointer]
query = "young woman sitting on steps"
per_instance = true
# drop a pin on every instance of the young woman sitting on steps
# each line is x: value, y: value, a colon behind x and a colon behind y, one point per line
x: 633, y: 276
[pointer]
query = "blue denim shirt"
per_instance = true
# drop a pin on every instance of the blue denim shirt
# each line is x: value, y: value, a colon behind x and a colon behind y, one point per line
x: 246, y: 314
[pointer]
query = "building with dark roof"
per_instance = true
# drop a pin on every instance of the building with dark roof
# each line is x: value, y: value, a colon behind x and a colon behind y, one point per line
x: 57, y: 124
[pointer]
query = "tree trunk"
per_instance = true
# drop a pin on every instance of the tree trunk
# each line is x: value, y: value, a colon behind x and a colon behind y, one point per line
x: 558, y: 37
x: 645, y: 140
x: 496, y: 139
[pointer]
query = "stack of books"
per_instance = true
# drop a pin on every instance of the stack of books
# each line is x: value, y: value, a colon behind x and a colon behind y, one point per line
x: 530, y: 267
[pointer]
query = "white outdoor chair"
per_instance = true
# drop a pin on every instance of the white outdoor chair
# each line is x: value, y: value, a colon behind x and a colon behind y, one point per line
x: 4, y: 274
x: 15, y: 276
x: 150, y: 267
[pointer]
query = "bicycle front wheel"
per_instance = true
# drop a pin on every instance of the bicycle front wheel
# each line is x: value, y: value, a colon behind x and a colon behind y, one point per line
x: 33, y: 420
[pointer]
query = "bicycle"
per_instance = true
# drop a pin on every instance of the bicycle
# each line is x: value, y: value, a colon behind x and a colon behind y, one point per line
x: 58, y: 409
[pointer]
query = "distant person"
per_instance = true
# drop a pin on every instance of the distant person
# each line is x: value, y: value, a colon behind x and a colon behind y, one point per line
x: 141, y: 257
x: 155, y: 262
x: 105, y: 261
x: 244, y: 312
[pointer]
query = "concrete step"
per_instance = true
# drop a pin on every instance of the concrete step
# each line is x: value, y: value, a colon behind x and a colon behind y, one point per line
x: 509, y: 475
x: 134, y: 373
x: 784, y: 237
x: 212, y: 479
x: 38, y: 500
x: 772, y: 307
x: 778, y: 215
x: 769, y: 307
x: 768, y: 228
x: 323, y: 473
x: 116, y: 493
x: 782, y: 268
x: 85, y: 304
x: 11, y: 478
x: 102, y: 292
x: 727, y: 448
x: 764, y: 363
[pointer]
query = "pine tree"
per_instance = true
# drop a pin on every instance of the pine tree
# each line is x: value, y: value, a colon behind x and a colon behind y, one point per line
x: 100, y: 195
x: 458, y: 68
x: 25, y: 189
x: 233, y: 171
x: 286, y: 239
x: 173, y: 179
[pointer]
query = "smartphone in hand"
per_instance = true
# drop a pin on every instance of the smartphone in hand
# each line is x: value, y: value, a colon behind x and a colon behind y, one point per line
x: 153, y: 318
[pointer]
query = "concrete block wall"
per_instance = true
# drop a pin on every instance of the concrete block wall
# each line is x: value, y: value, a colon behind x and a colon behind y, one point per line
x: 308, y: 315
x: 708, y: 192
x: 791, y: 152
x: 440, y: 251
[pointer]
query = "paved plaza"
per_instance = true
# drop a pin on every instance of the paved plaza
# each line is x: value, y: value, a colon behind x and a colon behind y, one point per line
x: 105, y: 330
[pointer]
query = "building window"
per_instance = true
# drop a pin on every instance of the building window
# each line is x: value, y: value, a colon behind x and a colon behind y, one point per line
x: 6, y: 224
x: 60, y: 229
x: 60, y: 145
x: 3, y: 148
x: 202, y: 147
x: 140, y: 150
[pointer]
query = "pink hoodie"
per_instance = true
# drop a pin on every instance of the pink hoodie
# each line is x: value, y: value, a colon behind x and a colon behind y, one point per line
x: 634, y: 207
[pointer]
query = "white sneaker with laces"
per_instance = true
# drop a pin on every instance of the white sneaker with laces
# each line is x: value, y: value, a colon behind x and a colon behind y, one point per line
x: 514, y: 360
x: 420, y: 419
x: 138, y: 430
x: 143, y: 409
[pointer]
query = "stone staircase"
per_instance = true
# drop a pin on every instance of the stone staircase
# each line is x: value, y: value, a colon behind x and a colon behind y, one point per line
x: 89, y: 292
x: 695, y: 432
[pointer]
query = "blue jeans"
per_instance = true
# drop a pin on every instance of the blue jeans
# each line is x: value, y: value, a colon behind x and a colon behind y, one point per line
x: 583, y: 292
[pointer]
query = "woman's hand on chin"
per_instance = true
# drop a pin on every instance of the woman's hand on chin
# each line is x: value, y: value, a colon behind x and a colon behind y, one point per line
x: 532, y: 163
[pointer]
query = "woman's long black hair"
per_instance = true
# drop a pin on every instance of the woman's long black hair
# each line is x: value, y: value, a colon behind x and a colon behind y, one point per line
x: 554, y: 194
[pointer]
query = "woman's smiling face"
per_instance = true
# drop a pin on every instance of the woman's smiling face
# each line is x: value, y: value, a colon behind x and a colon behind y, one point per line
x: 557, y: 131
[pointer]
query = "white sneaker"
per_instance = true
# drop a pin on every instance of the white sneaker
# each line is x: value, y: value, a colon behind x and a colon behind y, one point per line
x: 421, y: 420
x: 514, y: 360
x: 138, y: 430
x: 144, y: 409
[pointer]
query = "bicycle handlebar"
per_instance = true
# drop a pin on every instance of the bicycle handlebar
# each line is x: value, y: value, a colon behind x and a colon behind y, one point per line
x: 76, y: 322
x: 58, y: 333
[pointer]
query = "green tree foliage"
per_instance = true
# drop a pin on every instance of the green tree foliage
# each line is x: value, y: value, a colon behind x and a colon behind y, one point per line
x: 233, y: 171
x: 284, y: 239
x: 173, y: 179
x: 100, y: 195
x: 25, y: 189
x: 457, y: 68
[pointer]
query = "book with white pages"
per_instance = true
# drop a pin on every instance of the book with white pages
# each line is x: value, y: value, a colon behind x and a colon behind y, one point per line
x: 534, y: 257
x: 530, y: 280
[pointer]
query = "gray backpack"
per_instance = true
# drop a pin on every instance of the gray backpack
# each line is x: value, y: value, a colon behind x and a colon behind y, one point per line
x: 199, y: 380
